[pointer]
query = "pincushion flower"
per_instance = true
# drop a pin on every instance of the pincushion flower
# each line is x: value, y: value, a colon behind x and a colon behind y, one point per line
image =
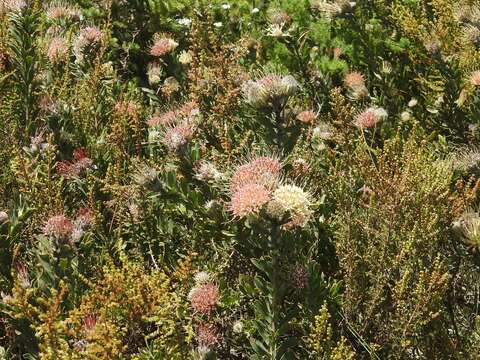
x: 307, y: 117
x: 206, y: 336
x: 57, y: 49
x: 293, y: 200
x: 58, y: 228
x: 263, y: 170
x: 163, y: 46
x: 248, y: 200
x: 269, y: 90
x: 475, y: 78
x: 370, y: 117
x: 204, y: 297
x: 178, y: 136
x: 355, y: 83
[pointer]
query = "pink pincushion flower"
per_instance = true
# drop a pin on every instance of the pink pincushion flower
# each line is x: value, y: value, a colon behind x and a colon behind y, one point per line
x: 307, y: 117
x: 84, y: 216
x: 168, y: 118
x: 76, y: 168
x: 206, y: 335
x: 204, y: 298
x: 475, y: 78
x: 178, y: 136
x: 57, y: 49
x: 354, y: 80
x: 163, y: 46
x: 58, y: 228
x: 262, y: 170
x: 91, y: 34
x: 249, y: 199
x: 370, y: 118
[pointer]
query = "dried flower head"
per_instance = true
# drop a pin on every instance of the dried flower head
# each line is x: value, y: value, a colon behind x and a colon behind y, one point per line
x: 165, y: 119
x: 204, y: 297
x: 154, y: 73
x: 468, y: 228
x: 22, y: 274
x: 91, y: 34
x: 206, y: 171
x: 59, y: 9
x: 12, y: 5
x: 147, y: 177
x: 278, y: 31
x: 323, y: 131
x: 163, y: 46
x: 278, y: 17
x: 3, y: 217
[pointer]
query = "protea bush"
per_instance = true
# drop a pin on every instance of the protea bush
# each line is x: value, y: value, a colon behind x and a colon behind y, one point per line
x: 239, y: 179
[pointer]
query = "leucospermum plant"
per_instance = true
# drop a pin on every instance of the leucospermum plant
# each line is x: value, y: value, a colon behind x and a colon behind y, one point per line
x: 239, y: 180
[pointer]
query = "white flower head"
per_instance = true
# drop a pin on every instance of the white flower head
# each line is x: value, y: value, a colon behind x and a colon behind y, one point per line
x: 412, y: 103
x: 202, y: 277
x: 294, y: 200
x: 184, y: 21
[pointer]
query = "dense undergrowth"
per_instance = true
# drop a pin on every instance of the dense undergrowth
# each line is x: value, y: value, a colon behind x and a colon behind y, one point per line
x: 288, y: 179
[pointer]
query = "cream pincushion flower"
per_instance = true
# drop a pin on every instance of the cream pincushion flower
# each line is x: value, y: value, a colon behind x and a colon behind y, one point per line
x: 295, y: 201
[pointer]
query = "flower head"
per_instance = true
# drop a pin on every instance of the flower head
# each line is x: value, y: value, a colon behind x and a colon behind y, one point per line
x: 307, y: 117
x: 293, y: 200
x: 58, y: 228
x: 57, y: 49
x: 91, y: 34
x: 332, y: 9
x: 3, y: 217
x: 269, y: 90
x: 262, y: 170
x: 204, y: 297
x: 61, y: 10
x: 163, y: 46
x: 249, y: 199
x: 370, y: 117
x: 475, y: 78
x: 154, y: 73
x: 355, y: 83
x: 206, y: 171
x: 468, y: 228
x: 202, y: 277
x: 206, y: 335
x: 176, y: 137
